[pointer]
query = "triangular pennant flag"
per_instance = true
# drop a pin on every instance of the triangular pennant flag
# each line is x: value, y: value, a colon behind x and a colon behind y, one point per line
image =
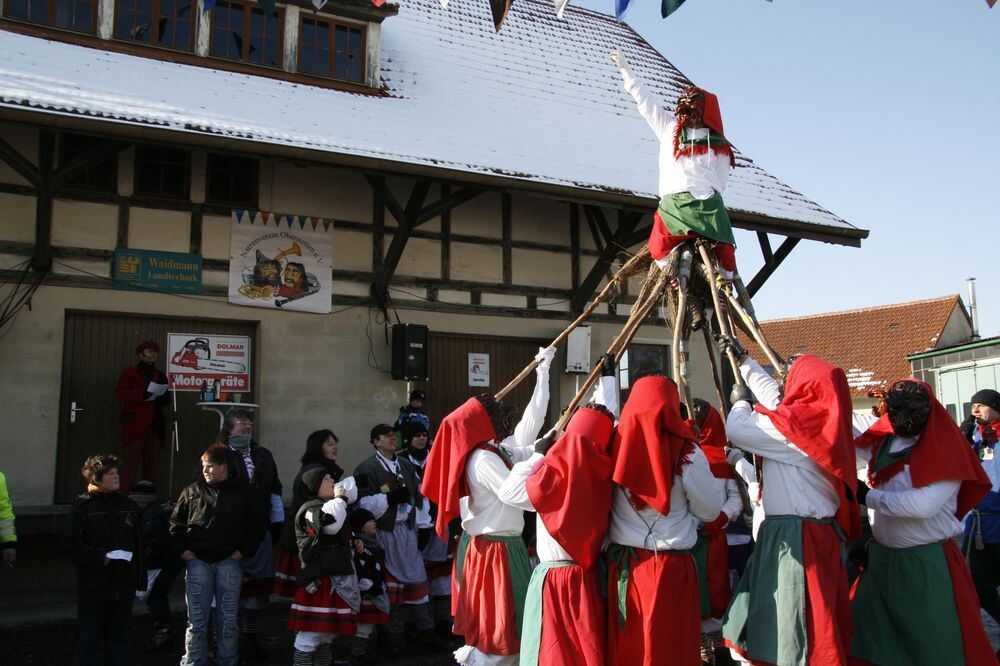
x: 621, y: 6
x: 268, y: 6
x: 267, y: 217
x: 318, y: 4
x: 668, y: 7
x: 289, y: 220
x: 378, y: 3
x: 560, y: 7
x: 326, y: 225
x: 209, y: 5
x: 302, y: 222
x: 257, y: 219
x: 991, y: 3
x: 314, y: 221
x: 500, y: 9
x: 239, y: 215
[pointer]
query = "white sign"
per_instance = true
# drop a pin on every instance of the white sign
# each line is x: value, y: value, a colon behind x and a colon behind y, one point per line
x: 193, y: 358
x: 280, y: 261
x: 479, y: 369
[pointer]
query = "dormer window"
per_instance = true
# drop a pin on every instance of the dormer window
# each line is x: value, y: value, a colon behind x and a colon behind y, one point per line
x: 167, y: 23
x: 241, y: 31
x: 332, y: 49
x: 78, y: 15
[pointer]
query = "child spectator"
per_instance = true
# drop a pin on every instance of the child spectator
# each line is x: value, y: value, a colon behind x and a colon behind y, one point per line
x: 161, y: 559
x: 327, y: 600
x: 217, y: 522
x: 369, y: 560
x: 102, y: 539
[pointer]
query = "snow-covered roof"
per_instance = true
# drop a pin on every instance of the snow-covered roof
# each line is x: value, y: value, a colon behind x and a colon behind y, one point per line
x: 539, y: 102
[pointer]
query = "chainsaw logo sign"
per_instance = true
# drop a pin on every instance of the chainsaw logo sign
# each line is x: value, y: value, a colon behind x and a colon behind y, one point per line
x: 196, y: 357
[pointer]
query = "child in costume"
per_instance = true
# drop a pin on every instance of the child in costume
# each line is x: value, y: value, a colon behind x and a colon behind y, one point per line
x: 369, y: 562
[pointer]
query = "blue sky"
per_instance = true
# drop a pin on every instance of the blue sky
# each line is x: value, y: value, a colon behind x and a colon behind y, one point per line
x: 886, y: 112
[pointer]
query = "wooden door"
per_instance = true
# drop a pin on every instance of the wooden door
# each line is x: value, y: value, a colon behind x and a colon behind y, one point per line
x: 448, y: 369
x: 96, y: 347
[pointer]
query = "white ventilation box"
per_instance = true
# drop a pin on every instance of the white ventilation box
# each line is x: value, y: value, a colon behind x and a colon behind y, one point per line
x: 578, y: 350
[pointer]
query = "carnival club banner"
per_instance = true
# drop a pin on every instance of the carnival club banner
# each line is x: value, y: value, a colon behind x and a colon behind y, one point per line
x: 280, y: 261
x: 194, y: 358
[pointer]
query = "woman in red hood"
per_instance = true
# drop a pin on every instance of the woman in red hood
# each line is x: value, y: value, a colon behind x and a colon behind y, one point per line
x: 792, y: 605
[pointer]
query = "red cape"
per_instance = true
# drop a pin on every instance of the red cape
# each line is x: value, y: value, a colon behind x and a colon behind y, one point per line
x: 444, y: 474
x: 712, y: 440
x: 651, y: 442
x: 815, y: 415
x: 941, y: 454
x: 571, y: 490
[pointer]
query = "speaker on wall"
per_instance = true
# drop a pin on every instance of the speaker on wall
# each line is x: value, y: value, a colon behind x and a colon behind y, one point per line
x: 409, y: 352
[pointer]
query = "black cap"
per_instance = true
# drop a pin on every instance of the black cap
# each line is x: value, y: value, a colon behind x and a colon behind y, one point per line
x: 313, y: 478
x: 987, y: 397
x: 417, y: 395
x: 359, y: 517
x: 379, y: 430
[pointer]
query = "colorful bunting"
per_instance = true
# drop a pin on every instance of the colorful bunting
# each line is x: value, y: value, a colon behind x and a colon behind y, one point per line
x: 668, y: 7
x: 318, y: 4
x: 991, y: 3
x: 500, y: 9
x: 621, y: 6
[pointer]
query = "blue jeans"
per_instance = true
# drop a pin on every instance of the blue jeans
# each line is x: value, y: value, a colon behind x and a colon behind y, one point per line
x: 203, y: 582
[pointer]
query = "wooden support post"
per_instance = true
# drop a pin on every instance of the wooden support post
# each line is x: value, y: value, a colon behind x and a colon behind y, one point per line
x: 42, y: 261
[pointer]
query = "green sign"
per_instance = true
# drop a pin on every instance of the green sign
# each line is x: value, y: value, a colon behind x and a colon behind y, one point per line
x: 150, y: 270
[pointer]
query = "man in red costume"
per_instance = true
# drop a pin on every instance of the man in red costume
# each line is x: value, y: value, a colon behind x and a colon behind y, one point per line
x: 664, y: 488
x: 792, y: 605
x: 142, y: 390
x: 915, y: 602
x: 712, y: 551
x: 474, y: 450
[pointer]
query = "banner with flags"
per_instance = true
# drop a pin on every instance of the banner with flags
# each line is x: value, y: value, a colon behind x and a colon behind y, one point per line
x: 280, y: 261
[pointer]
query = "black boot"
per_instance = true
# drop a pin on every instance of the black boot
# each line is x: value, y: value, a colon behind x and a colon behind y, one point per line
x: 250, y: 648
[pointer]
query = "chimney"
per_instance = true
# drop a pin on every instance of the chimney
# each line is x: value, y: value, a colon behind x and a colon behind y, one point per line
x: 973, y: 311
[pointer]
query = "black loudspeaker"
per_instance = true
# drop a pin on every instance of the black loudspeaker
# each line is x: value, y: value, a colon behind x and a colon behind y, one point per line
x: 409, y: 352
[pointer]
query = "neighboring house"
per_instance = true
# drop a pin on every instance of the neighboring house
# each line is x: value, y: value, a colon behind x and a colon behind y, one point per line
x: 482, y: 184
x: 958, y: 370
x: 871, y: 344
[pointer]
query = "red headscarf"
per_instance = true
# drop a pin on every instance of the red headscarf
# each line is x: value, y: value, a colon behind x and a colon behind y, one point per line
x: 651, y: 442
x: 712, y: 440
x: 815, y: 415
x: 444, y: 474
x: 941, y: 454
x: 571, y: 490
x: 712, y: 115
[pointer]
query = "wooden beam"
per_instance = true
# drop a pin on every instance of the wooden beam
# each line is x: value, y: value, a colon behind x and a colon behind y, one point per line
x: 768, y: 268
x: 574, y: 245
x: 446, y: 203
x: 83, y: 163
x: 395, y: 252
x: 123, y: 219
x: 640, y: 235
x: 626, y: 225
x: 19, y: 163
x: 42, y: 261
x: 196, y: 225
x: 506, y: 235
x: 388, y: 200
x: 445, y: 237
x: 765, y: 246
x: 596, y: 216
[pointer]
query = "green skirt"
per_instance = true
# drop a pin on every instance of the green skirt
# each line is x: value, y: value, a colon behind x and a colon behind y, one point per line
x: 683, y: 214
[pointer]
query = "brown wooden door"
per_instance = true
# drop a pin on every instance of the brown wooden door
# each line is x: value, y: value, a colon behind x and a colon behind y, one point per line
x: 97, y: 346
x: 448, y: 369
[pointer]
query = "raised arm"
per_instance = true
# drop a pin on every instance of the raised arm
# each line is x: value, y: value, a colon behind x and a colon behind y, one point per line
x: 764, y: 388
x: 649, y: 106
x: 522, y: 443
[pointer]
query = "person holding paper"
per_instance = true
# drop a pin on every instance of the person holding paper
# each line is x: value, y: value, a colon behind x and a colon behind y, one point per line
x: 142, y: 390
x: 102, y: 538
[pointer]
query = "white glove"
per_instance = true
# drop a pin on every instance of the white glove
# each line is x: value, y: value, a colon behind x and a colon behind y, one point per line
x: 350, y: 486
x: 544, y: 357
x: 365, y: 584
x: 619, y: 59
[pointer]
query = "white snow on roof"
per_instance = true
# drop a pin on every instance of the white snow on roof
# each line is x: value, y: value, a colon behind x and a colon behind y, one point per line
x: 859, y: 379
x: 539, y: 101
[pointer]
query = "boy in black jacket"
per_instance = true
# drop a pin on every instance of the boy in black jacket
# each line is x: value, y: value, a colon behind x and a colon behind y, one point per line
x: 103, y: 540
x: 217, y: 523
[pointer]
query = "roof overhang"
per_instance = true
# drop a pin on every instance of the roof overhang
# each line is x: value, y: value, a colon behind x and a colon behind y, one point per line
x: 580, y: 193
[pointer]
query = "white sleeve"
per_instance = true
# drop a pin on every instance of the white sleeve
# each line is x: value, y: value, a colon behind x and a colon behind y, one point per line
x: 650, y: 107
x: 764, y: 388
x: 922, y: 502
x: 701, y: 488
x: 733, y: 504
x: 489, y: 472
x: 513, y: 491
x: 424, y: 515
x: 861, y: 421
x: 337, y: 508
x: 522, y: 443
x: 377, y: 504
x: 277, y: 509
x: 606, y: 393
x: 754, y: 433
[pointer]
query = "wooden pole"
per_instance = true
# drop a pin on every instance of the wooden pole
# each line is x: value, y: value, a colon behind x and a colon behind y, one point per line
x: 719, y: 315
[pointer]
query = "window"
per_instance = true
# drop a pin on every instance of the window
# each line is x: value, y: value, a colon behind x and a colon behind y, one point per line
x: 162, y: 172
x: 333, y: 50
x: 167, y: 23
x: 78, y: 15
x: 232, y: 181
x: 103, y: 177
x: 639, y: 359
x: 241, y: 31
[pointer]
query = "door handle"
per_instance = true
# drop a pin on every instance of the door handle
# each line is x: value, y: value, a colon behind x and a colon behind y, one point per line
x: 73, y: 409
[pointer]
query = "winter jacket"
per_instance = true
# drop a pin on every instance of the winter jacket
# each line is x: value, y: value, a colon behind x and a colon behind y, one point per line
x: 265, y: 477
x: 369, y: 564
x: 213, y: 521
x: 8, y: 535
x: 299, y: 496
x: 98, y: 524
x: 323, y: 553
x: 986, y: 515
x: 373, y: 478
x: 156, y: 546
